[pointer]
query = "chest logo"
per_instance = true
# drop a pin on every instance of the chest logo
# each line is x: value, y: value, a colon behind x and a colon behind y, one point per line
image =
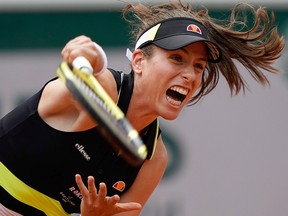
x: 120, y: 186
x: 81, y: 149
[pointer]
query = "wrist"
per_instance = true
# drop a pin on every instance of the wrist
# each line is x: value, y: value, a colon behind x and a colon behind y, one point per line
x: 103, y: 56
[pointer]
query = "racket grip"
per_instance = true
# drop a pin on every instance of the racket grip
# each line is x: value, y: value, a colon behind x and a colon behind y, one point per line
x: 81, y: 63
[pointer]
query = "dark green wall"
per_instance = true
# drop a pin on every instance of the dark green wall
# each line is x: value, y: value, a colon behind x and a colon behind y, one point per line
x: 52, y: 30
x: 42, y: 30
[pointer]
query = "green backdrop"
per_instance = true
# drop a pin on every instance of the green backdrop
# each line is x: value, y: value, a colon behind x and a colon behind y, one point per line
x: 42, y: 30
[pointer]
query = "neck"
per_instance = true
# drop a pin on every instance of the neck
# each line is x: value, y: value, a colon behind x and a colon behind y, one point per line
x: 140, y: 118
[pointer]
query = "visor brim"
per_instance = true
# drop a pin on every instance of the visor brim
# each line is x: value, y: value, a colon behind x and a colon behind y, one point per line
x: 178, y: 41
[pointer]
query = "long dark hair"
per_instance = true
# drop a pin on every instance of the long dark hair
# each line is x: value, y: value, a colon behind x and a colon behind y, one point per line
x: 255, y: 46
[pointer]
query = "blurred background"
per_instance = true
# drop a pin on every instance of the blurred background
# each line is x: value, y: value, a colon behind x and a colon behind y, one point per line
x: 227, y: 156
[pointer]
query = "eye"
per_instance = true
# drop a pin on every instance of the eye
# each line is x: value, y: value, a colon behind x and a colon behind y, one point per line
x: 200, y: 67
x: 177, y: 58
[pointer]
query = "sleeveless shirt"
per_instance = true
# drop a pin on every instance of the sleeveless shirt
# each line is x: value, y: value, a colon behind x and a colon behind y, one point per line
x: 38, y: 163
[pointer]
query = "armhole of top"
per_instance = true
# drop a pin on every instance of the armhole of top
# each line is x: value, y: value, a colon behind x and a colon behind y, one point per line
x: 120, y: 88
x: 151, y: 140
x: 125, y: 84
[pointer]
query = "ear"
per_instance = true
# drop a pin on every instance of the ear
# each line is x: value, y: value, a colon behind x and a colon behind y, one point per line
x: 137, y: 59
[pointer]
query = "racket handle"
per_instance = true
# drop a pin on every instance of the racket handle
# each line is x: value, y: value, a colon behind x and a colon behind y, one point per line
x: 81, y: 63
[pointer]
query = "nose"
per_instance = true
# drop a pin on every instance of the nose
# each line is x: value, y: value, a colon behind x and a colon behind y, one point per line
x: 189, y: 75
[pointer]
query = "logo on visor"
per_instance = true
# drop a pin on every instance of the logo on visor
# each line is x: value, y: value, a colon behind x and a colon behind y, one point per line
x: 194, y: 28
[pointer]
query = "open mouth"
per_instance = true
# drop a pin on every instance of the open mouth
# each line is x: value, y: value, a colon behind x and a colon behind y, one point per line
x: 176, y: 95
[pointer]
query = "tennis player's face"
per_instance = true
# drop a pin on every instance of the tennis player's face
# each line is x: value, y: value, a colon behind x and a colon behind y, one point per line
x: 172, y: 77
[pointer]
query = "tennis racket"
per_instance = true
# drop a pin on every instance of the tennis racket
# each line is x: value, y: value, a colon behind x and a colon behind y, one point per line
x: 112, y: 123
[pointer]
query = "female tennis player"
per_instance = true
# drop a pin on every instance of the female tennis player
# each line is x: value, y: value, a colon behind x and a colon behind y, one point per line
x: 53, y: 160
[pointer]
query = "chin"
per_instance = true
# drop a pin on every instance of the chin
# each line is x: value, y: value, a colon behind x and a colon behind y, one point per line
x: 168, y: 112
x: 172, y: 116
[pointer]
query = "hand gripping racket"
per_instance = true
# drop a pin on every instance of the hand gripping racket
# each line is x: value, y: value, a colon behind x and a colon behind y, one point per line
x: 112, y: 123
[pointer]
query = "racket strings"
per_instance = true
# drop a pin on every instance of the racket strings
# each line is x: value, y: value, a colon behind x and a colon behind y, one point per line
x: 121, y: 125
x: 100, y: 102
x: 113, y: 124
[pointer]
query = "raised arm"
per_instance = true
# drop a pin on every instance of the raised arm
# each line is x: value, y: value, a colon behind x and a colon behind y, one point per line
x: 57, y: 106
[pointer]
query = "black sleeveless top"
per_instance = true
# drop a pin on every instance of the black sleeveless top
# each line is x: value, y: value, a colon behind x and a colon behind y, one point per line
x: 40, y: 162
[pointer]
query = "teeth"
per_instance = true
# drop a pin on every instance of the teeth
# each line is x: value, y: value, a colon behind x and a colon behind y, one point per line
x: 172, y: 101
x: 180, y: 90
x: 174, y: 98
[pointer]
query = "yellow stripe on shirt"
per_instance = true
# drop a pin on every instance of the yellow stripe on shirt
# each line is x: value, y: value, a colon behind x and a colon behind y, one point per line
x: 25, y: 194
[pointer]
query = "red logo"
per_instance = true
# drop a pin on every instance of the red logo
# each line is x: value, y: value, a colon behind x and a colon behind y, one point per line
x: 194, y: 28
x: 120, y: 186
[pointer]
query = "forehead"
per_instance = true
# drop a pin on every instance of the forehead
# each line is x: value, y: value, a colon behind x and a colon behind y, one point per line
x: 196, y: 49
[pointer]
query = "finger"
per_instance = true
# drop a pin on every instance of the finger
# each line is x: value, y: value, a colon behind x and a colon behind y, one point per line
x: 102, y: 192
x: 79, y: 40
x: 83, y: 189
x: 74, y: 46
x: 113, y: 200
x: 91, y: 188
x: 87, y: 50
x: 82, y: 39
x: 131, y: 206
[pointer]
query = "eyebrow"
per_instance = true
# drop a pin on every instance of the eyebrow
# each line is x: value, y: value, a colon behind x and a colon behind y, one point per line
x: 186, y: 51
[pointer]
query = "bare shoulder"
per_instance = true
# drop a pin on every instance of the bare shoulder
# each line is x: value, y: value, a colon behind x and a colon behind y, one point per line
x: 57, y: 106
x: 160, y: 155
x: 52, y: 98
x: 59, y: 109
x: 157, y: 164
